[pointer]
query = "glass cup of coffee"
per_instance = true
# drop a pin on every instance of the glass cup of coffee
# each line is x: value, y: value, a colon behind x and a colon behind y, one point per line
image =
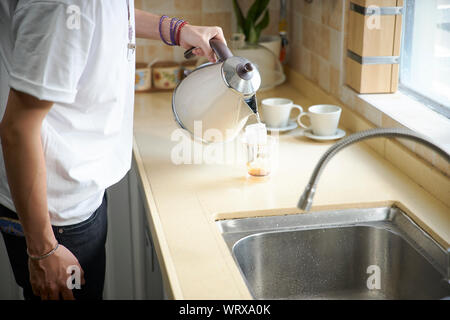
x: 260, y: 150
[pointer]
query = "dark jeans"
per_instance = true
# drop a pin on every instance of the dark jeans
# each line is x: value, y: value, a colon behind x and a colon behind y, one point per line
x: 86, y: 240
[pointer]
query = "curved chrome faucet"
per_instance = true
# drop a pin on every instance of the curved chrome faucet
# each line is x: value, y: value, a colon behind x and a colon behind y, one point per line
x: 306, y: 199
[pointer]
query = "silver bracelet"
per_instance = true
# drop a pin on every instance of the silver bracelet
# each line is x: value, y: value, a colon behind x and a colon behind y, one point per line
x: 43, y: 256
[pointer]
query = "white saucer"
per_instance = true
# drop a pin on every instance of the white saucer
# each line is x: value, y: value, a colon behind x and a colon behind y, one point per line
x: 339, y: 134
x: 291, y: 126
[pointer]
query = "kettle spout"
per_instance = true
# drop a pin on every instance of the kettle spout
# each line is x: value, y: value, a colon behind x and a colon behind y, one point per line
x: 252, y: 103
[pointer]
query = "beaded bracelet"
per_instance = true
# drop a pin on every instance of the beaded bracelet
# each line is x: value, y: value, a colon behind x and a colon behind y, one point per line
x: 172, y: 41
x: 176, y: 31
x: 160, y: 30
x: 179, y: 32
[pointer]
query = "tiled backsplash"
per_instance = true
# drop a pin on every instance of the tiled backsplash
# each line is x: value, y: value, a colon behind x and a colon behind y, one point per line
x: 318, y: 42
x: 197, y: 12
x: 317, y: 47
x: 318, y: 36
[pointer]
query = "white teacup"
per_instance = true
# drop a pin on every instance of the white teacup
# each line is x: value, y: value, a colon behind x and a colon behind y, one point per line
x: 276, y: 111
x: 324, y: 119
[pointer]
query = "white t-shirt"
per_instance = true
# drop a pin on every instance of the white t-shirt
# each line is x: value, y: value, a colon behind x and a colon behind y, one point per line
x: 74, y: 53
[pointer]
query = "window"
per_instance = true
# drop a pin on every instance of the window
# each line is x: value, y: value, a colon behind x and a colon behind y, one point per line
x: 425, y: 61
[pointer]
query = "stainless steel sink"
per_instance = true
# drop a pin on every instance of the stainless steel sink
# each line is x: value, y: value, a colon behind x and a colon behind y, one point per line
x: 375, y: 253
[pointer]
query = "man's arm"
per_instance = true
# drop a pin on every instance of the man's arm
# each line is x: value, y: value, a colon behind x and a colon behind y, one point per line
x: 20, y: 132
x: 147, y: 26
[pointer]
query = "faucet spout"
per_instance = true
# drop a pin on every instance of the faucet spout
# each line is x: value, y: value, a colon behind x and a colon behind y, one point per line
x: 306, y: 199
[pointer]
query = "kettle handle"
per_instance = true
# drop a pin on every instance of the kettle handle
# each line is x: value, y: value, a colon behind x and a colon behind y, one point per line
x: 220, y: 49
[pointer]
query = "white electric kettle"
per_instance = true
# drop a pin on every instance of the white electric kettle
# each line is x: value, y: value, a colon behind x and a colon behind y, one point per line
x: 215, y: 100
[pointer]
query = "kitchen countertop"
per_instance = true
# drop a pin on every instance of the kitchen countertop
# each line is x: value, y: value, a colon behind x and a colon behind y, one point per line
x: 183, y: 201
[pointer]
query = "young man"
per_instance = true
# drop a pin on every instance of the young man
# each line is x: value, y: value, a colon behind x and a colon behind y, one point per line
x: 66, y: 104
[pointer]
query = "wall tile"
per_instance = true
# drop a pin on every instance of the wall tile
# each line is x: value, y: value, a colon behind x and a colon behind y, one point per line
x: 336, y: 48
x: 322, y: 43
x: 310, y: 31
x: 324, y: 75
x: 373, y: 115
x: 156, y: 52
x: 217, y: 5
x: 348, y: 96
x: 315, y: 68
x: 313, y: 10
x: 222, y: 19
x: 305, y: 62
x: 187, y: 5
x: 275, y: 4
x: 296, y: 7
x: 425, y: 153
x: 296, y: 61
x: 418, y: 170
x: 388, y: 122
x: 138, y: 4
x: 335, y: 81
x: 159, y: 6
x: 332, y: 13
x: 272, y: 28
x: 297, y: 29
x: 194, y: 18
x: 140, y: 54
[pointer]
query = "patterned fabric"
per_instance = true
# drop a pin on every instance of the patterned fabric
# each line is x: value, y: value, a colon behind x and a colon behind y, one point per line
x: 11, y: 226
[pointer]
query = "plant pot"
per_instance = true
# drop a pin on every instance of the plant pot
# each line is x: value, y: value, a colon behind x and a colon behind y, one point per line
x: 268, y: 64
x: 273, y: 43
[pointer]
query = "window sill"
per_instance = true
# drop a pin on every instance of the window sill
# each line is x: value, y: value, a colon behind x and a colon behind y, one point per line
x: 401, y: 110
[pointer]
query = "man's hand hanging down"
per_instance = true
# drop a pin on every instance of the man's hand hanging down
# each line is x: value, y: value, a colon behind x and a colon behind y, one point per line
x: 20, y: 132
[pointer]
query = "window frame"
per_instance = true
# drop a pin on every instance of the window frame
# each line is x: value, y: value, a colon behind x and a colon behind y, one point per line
x: 405, y: 58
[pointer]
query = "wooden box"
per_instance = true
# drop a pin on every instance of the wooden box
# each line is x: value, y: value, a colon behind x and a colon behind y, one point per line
x: 374, y: 39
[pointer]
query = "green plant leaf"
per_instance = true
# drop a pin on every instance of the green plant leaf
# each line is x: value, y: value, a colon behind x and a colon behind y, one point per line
x: 253, y: 36
x: 264, y: 23
x: 239, y: 16
x: 261, y: 6
x: 249, y: 23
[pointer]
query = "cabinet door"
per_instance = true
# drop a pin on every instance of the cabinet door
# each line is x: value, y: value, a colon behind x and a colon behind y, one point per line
x: 119, y: 283
x: 154, y: 286
x: 132, y: 269
x: 150, y: 274
x: 9, y: 290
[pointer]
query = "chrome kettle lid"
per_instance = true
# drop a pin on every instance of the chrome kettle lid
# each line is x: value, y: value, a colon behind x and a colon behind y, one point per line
x: 241, y: 75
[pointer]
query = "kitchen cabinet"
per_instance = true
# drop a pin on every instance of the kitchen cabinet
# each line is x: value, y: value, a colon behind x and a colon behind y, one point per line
x: 132, y: 268
x: 8, y: 286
